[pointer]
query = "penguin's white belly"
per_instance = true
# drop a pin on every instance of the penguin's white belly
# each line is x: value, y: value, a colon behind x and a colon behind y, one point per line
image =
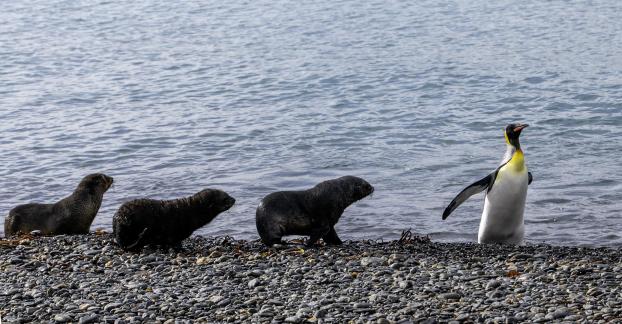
x: 502, y: 219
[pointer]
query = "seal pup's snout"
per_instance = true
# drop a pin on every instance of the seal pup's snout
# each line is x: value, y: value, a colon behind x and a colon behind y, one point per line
x: 109, y: 181
x: 360, y: 187
x: 104, y: 181
x: 368, y: 189
x: 226, y: 201
x: 229, y: 202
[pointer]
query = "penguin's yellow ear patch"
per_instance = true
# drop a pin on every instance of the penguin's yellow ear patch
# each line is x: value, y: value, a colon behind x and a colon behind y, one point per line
x: 507, y: 140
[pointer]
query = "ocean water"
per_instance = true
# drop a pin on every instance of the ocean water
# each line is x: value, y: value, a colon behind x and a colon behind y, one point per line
x: 257, y: 96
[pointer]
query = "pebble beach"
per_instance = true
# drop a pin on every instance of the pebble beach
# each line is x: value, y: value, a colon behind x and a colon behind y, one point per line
x: 88, y: 279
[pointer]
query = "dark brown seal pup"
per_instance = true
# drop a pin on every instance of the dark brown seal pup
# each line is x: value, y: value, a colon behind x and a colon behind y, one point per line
x: 71, y: 215
x: 143, y: 222
x: 313, y: 212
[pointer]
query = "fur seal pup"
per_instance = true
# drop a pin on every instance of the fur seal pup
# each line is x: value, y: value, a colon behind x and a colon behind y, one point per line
x: 143, y: 222
x: 313, y: 212
x: 71, y: 215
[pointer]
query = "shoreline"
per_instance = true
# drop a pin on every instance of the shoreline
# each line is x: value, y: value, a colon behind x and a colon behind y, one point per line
x: 88, y: 279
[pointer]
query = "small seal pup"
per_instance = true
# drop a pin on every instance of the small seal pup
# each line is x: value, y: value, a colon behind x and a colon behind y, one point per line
x: 313, y: 212
x: 71, y: 215
x: 143, y: 222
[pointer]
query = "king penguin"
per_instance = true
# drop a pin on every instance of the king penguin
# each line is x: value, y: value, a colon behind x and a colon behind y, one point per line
x: 506, y: 191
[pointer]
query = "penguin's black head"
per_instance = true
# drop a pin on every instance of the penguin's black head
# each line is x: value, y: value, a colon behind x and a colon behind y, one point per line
x: 512, y: 132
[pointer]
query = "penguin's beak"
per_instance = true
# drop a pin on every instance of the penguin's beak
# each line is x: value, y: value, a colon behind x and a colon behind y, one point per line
x: 520, y: 127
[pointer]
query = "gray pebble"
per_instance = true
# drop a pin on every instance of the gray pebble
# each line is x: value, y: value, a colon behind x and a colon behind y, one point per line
x: 216, y: 299
x: 560, y: 313
x: 371, y: 261
x: 112, y: 306
x: 254, y: 283
x: 450, y: 296
x: 62, y: 318
x: 362, y: 305
x: 90, y: 280
x: 320, y: 313
x: 90, y: 318
x: 492, y: 284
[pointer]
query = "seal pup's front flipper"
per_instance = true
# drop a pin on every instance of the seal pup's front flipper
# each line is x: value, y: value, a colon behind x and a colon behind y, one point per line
x: 331, y: 238
x: 317, y: 233
x: 313, y: 237
x: 469, y: 191
x: 136, y: 245
x: 530, y: 178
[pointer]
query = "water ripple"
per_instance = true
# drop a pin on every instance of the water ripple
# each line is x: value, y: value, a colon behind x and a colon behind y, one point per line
x: 170, y: 98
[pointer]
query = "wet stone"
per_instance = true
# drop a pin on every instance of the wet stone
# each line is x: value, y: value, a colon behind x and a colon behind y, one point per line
x: 450, y: 296
x: 89, y: 318
x: 62, y: 318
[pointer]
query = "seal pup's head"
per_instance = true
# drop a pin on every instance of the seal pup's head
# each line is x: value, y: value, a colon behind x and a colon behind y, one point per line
x: 357, y: 187
x: 215, y: 199
x: 95, y: 183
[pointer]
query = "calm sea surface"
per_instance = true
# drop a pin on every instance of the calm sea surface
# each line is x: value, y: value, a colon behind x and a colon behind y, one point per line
x: 256, y: 96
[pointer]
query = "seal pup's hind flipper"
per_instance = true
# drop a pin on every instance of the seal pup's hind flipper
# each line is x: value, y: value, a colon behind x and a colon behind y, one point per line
x: 469, y: 191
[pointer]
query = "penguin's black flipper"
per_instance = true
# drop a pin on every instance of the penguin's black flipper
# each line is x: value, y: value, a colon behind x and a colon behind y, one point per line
x: 530, y: 178
x: 469, y: 191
